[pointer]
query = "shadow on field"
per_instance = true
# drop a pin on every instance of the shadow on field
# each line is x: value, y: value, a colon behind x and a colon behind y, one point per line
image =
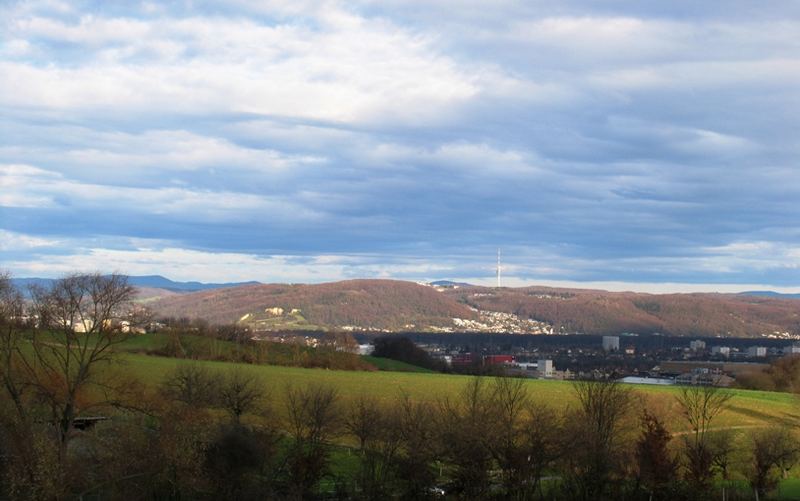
x: 754, y: 414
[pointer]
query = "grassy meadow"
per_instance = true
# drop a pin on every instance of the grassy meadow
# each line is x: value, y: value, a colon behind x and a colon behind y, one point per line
x: 748, y: 409
x: 140, y: 358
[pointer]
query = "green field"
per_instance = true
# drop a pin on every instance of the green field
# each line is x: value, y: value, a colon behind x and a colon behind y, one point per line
x: 387, y: 364
x: 747, y: 409
x: 220, y: 348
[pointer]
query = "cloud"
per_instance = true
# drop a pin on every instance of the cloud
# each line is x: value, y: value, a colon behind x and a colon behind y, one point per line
x: 615, y: 142
x: 347, y: 69
x: 41, y: 188
x: 10, y: 241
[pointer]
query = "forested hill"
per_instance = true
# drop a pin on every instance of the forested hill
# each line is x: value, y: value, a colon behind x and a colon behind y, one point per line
x: 397, y: 305
x: 602, y: 312
x: 378, y: 304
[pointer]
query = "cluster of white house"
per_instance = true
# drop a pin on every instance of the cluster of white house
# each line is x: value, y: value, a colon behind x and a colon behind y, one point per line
x: 753, y: 351
x: 611, y: 343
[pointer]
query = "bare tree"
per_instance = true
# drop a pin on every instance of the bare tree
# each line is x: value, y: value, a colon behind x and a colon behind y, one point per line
x: 363, y: 421
x: 700, y: 405
x: 240, y: 393
x: 722, y: 444
x: 508, y: 445
x: 379, y: 432
x: 418, y: 447
x: 12, y: 325
x: 544, y: 443
x: 192, y: 385
x: 773, y: 449
x: 599, y: 422
x: 466, y: 428
x: 313, y: 420
x: 81, y: 319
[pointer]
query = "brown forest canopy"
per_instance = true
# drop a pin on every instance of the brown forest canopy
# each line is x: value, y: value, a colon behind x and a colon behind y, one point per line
x: 393, y: 305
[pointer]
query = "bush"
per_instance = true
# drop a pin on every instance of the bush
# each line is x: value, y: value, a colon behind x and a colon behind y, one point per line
x: 404, y: 350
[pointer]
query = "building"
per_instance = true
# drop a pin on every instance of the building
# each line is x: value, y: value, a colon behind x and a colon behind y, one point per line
x: 704, y: 376
x: 611, y: 343
x: 662, y: 381
x: 498, y: 359
x: 697, y: 345
x: 545, y: 368
x: 791, y: 350
x: 757, y: 351
x: 462, y: 359
x: 82, y: 326
x: 722, y: 351
x: 126, y: 327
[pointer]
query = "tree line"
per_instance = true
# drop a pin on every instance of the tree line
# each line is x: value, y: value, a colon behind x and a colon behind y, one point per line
x: 218, y: 434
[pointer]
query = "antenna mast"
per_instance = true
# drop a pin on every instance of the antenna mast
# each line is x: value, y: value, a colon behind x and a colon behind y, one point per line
x: 498, y: 268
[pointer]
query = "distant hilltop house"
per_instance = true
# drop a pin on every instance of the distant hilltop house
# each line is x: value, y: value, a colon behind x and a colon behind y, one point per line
x: 126, y: 327
x: 81, y: 326
x: 276, y: 311
x: 87, y: 325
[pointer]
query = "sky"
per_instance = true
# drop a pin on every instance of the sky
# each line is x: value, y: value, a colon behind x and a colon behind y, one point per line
x: 624, y: 144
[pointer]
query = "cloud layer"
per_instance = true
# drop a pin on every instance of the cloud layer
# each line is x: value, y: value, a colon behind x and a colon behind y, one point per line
x: 310, y: 141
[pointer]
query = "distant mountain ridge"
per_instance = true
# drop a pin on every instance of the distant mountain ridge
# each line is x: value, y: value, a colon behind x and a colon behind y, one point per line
x: 602, y: 312
x: 148, y: 281
x: 781, y: 295
x: 394, y: 305
x: 448, y: 283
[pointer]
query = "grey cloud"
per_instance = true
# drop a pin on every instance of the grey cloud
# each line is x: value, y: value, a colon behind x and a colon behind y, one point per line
x: 613, y: 142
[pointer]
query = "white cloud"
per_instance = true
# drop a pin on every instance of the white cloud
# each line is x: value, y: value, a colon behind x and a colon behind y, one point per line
x: 463, y: 157
x: 646, y: 287
x: 758, y: 255
x: 603, y: 38
x: 37, y: 186
x: 348, y: 70
x: 637, y: 139
x: 186, y: 264
x: 702, y: 75
x: 160, y: 150
x: 13, y: 241
x: 90, y: 30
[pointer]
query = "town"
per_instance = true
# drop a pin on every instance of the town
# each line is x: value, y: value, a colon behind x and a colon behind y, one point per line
x: 657, y: 360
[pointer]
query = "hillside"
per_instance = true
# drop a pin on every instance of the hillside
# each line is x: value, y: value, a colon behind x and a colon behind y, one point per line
x: 373, y: 304
x: 396, y: 305
x: 602, y: 312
